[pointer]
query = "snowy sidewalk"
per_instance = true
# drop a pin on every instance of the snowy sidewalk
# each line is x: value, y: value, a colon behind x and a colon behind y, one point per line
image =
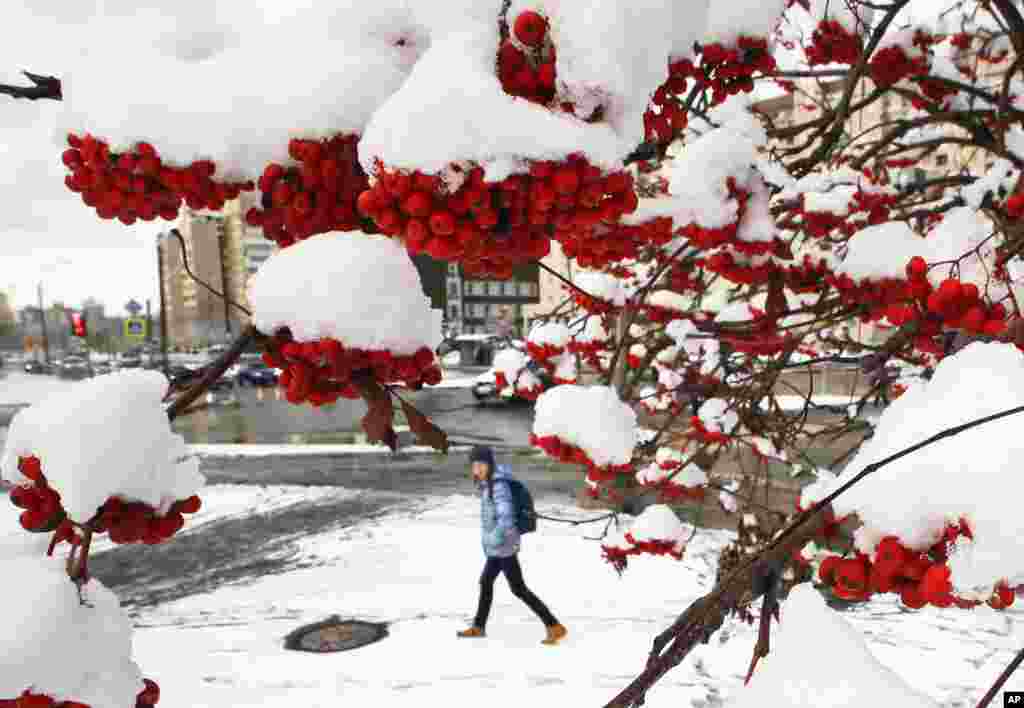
x: 417, y: 569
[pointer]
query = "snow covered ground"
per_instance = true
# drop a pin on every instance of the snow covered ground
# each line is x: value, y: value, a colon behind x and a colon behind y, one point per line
x: 417, y: 569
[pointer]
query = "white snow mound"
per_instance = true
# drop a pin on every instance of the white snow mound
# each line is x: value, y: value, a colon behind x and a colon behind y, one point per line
x: 590, y: 417
x: 967, y: 475
x: 52, y: 643
x: 103, y: 437
x: 360, y: 289
x: 847, y: 675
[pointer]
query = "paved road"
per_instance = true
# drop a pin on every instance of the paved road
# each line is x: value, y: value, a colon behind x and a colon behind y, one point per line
x: 263, y: 416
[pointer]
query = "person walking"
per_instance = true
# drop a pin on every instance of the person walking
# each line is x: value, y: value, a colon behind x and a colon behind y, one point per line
x: 501, y: 542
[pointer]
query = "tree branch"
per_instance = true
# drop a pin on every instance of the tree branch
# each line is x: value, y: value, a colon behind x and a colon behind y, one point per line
x: 1010, y: 668
x: 706, y: 615
x: 44, y: 87
x: 214, y: 371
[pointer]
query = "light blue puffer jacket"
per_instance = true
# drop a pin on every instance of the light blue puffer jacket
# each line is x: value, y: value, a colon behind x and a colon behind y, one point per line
x: 498, y: 529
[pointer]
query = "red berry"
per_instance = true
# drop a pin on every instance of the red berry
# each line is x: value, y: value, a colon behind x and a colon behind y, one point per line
x: 150, y: 695
x: 417, y: 204
x: 566, y: 180
x: 442, y: 223
x: 191, y: 505
x: 530, y: 28
x: 936, y: 581
x: 31, y: 468
x: 917, y: 268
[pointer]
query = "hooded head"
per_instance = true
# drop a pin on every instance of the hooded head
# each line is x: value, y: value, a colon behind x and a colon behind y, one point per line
x: 481, y: 461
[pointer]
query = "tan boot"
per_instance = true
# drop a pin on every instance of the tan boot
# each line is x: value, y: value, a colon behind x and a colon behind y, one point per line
x: 471, y: 632
x: 556, y: 633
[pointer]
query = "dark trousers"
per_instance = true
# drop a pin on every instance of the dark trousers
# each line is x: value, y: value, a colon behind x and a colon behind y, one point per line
x: 514, y: 575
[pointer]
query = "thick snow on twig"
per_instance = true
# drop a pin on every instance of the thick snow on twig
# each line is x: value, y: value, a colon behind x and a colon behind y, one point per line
x: 103, y: 437
x: 590, y: 417
x: 344, y: 286
x: 966, y: 476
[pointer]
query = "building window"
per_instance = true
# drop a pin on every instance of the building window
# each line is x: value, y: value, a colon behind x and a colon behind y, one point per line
x: 453, y: 312
x: 494, y: 288
x: 524, y: 289
x: 478, y: 310
x: 511, y: 288
x: 453, y: 289
x: 476, y: 287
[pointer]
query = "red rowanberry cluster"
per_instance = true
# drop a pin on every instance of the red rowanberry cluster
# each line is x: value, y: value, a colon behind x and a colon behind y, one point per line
x: 125, y: 522
x: 135, y: 522
x: 315, y: 196
x: 148, y: 696
x: 490, y: 227
x: 726, y: 71
x: 527, y: 69
x: 138, y: 185
x: 570, y: 454
x: 831, y: 43
x: 920, y: 578
x: 891, y: 65
x: 619, y: 557
x: 323, y: 371
x: 611, y: 242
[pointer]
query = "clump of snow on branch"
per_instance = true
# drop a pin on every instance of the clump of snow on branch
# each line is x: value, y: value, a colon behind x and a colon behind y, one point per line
x: 343, y: 286
x: 699, y: 174
x: 462, y: 114
x: 599, y: 62
x: 203, y: 120
x: 882, y: 251
x: 848, y: 675
x: 103, y: 437
x: 727, y: 21
x: 668, y: 462
x: 601, y: 285
x: 53, y: 643
x: 553, y: 334
x: 716, y: 416
x: 659, y: 523
x: 590, y: 417
x: 962, y: 477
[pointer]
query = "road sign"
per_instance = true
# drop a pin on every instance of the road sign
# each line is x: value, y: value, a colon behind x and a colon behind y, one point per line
x: 133, y: 307
x: 135, y: 329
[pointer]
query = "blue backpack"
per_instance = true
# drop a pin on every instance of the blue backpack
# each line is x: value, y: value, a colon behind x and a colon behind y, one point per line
x: 526, y: 515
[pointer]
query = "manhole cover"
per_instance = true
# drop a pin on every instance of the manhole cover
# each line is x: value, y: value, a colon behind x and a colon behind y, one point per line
x: 335, y: 634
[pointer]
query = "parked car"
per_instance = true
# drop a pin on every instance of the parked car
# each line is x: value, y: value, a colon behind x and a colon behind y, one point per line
x: 256, y: 373
x: 75, y: 368
x: 35, y: 367
x: 101, y: 367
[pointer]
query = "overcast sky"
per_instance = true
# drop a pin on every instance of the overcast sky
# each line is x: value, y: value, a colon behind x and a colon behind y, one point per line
x: 46, y: 233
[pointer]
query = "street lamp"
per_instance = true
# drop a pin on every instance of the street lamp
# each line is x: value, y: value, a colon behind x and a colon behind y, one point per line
x: 48, y: 268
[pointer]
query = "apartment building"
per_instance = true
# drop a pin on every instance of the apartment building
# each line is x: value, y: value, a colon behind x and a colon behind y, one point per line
x: 196, y: 317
